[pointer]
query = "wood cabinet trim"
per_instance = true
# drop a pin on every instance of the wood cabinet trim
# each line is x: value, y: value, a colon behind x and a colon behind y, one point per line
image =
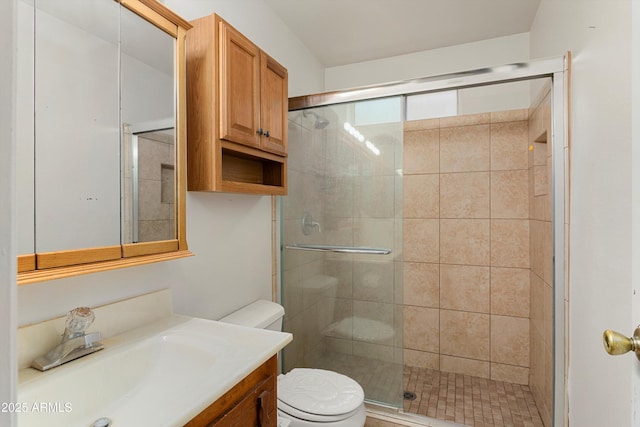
x: 202, y: 85
x: 77, y: 256
x: 145, y: 12
x: 243, y: 187
x: 148, y: 248
x: 35, y: 276
x: 26, y: 262
x: 249, y: 151
x: 181, y: 138
x: 167, y: 13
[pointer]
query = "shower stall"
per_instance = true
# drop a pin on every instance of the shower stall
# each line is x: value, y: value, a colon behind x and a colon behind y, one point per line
x: 418, y: 239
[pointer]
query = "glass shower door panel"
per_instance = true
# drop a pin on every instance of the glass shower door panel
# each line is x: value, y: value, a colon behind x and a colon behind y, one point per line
x: 345, y: 308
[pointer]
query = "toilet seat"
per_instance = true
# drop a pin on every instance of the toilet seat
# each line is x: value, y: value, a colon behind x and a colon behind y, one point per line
x: 318, y: 395
x: 293, y: 412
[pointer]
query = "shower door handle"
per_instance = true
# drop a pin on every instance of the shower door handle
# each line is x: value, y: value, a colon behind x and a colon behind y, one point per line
x: 341, y: 249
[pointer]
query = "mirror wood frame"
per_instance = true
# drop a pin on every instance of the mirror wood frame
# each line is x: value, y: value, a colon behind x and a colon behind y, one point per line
x: 38, y: 267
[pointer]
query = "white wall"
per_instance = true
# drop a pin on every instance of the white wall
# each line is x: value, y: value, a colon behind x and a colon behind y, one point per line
x: 502, y: 97
x: 8, y: 354
x: 469, y: 56
x: 229, y: 234
x: 599, y: 35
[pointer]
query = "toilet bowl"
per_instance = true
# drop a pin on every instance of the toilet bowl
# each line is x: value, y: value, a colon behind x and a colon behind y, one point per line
x: 306, y: 397
x: 309, y: 397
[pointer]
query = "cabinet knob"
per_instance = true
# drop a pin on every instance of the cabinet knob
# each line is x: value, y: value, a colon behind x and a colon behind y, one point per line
x: 266, y: 134
x: 260, y: 132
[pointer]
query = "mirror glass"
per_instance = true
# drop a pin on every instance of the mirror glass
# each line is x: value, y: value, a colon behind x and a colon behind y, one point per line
x: 24, y: 129
x: 148, y: 121
x: 77, y: 126
x: 96, y: 104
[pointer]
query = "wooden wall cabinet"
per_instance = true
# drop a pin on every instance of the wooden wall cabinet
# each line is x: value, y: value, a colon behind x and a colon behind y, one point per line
x: 237, y: 105
x: 252, y: 402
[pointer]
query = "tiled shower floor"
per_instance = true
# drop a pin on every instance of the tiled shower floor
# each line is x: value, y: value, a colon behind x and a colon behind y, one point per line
x: 471, y: 401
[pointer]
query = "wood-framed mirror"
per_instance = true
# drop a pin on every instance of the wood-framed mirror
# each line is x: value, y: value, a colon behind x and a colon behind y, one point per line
x: 101, y: 116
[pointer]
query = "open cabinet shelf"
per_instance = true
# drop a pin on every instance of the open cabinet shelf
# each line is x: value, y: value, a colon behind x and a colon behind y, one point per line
x: 245, y: 173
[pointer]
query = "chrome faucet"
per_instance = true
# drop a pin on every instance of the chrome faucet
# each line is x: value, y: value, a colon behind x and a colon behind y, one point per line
x: 75, y: 342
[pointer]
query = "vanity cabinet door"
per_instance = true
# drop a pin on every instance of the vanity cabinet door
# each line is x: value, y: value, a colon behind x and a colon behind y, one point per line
x: 257, y: 409
x: 250, y: 403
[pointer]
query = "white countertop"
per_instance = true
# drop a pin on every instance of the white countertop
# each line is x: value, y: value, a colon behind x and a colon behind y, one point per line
x: 161, y: 374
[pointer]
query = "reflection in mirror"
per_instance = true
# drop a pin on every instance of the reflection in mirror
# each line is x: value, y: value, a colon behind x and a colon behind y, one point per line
x: 77, y: 137
x: 24, y: 129
x: 149, y: 182
x: 148, y: 143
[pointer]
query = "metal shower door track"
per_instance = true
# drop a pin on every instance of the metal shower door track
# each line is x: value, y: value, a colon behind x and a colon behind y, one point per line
x: 481, y: 77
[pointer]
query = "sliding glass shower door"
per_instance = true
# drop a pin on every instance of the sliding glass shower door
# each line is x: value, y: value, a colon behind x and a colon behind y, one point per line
x: 342, y: 244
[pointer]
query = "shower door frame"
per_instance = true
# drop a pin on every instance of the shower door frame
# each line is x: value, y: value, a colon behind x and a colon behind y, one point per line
x: 558, y: 70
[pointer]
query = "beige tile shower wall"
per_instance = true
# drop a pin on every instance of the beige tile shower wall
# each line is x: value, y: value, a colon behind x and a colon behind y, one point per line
x: 541, y: 292
x: 466, y: 245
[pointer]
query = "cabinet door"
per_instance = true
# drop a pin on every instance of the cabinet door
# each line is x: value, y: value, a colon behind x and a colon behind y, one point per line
x: 257, y: 409
x: 239, y: 107
x: 250, y: 403
x: 274, y: 105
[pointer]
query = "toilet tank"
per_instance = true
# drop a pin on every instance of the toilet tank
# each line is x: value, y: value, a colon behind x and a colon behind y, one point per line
x: 259, y: 314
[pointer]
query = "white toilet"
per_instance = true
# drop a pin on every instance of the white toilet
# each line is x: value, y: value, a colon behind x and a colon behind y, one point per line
x: 306, y: 397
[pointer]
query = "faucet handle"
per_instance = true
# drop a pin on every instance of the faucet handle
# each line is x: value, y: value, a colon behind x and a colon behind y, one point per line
x: 79, y: 319
x: 308, y: 224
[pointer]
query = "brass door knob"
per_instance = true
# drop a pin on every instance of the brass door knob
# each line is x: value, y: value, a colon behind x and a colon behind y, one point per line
x: 617, y: 343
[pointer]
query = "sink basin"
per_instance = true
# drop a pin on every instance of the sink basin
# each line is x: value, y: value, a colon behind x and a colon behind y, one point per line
x: 161, y: 374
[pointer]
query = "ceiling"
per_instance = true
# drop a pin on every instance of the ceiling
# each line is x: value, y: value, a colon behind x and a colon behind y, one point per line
x: 341, y: 32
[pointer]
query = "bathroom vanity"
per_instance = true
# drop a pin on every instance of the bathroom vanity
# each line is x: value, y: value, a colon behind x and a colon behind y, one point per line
x: 170, y: 371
